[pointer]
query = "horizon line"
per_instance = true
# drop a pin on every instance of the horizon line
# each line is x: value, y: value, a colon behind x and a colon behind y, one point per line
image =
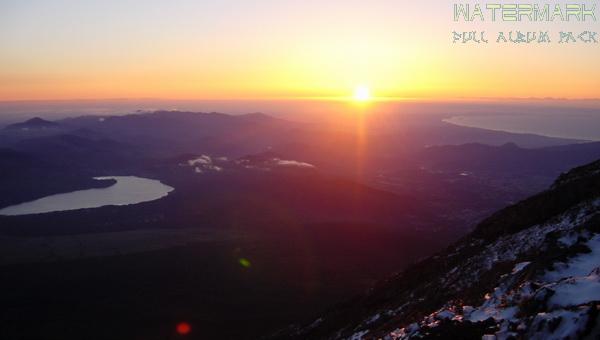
x: 308, y: 98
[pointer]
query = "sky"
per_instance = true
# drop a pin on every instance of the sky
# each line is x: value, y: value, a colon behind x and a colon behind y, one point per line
x: 276, y: 49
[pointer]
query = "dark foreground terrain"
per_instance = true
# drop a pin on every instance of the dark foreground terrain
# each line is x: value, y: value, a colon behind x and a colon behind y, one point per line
x: 529, y: 271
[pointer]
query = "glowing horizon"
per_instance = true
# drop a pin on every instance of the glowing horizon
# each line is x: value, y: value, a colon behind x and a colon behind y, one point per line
x: 63, y: 50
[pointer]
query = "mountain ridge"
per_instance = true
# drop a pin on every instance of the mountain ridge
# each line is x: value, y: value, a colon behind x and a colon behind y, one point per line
x: 33, y: 123
x: 520, y: 266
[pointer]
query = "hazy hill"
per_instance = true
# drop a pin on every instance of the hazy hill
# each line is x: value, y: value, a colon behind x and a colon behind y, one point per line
x: 33, y: 124
x: 509, y: 158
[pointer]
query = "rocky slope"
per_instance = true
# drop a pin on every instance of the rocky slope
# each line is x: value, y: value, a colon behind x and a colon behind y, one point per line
x: 530, y: 271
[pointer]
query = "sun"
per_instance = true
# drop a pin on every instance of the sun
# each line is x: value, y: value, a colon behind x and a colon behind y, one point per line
x: 362, y: 93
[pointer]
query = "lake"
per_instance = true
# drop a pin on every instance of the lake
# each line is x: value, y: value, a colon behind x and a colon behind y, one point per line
x: 127, y: 190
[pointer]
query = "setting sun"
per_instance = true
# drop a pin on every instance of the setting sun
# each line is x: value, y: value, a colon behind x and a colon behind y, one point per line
x: 362, y: 93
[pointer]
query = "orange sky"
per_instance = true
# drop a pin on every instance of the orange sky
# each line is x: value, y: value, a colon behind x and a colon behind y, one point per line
x: 274, y: 49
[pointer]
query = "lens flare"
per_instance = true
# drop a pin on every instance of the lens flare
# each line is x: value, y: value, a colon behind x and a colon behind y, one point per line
x: 183, y: 328
x: 245, y: 263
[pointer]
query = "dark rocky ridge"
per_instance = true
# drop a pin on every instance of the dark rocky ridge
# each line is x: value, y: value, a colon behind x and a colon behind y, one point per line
x: 433, y: 298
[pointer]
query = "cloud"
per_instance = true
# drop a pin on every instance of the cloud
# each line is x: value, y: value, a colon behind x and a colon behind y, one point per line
x: 204, y: 159
x: 290, y: 163
x: 204, y: 163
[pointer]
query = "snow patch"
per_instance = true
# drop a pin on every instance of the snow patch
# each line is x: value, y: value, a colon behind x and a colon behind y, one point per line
x: 358, y: 335
x: 520, y: 266
x: 373, y: 318
x: 445, y: 315
x: 561, y: 324
x: 580, y: 265
x: 575, y: 291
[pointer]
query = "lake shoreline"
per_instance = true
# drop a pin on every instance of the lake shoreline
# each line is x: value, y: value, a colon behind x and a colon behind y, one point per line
x: 535, y: 124
x: 125, y: 190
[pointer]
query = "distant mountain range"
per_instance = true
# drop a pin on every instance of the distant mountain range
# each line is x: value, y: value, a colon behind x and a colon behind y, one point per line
x: 411, y: 155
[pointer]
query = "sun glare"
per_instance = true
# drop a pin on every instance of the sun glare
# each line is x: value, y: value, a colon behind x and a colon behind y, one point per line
x: 362, y: 93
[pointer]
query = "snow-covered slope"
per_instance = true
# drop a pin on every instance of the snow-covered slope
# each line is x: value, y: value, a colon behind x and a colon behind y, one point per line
x: 530, y: 271
x: 537, y: 298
